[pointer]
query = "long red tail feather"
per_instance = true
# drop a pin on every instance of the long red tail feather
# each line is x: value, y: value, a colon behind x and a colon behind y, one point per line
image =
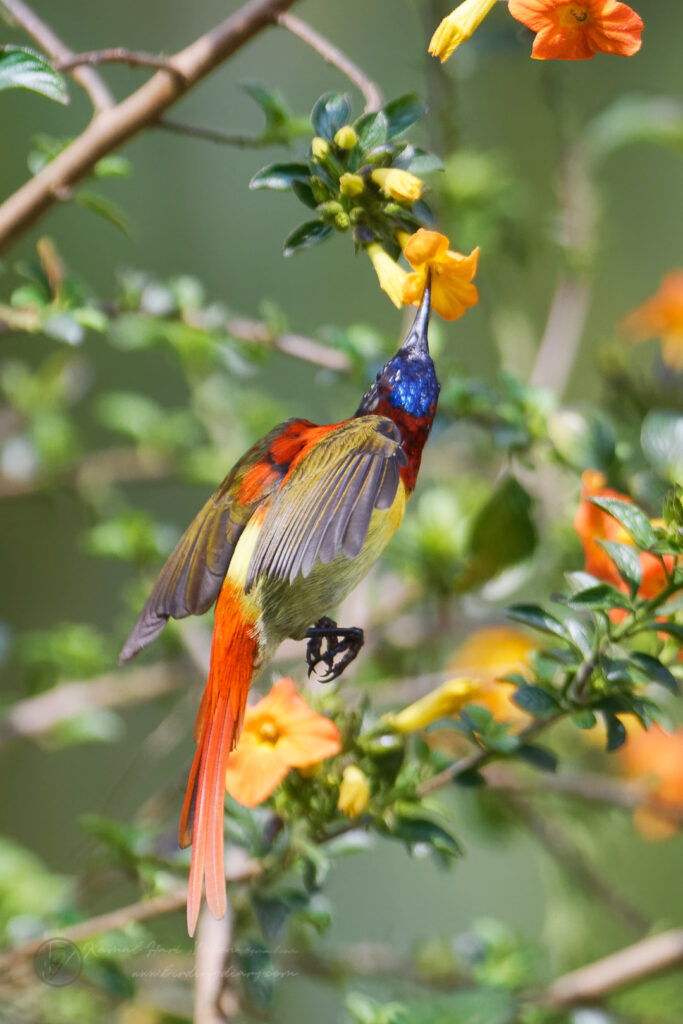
x: 219, y: 721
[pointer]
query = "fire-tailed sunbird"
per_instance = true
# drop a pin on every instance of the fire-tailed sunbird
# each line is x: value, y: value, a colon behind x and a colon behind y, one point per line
x: 295, y: 525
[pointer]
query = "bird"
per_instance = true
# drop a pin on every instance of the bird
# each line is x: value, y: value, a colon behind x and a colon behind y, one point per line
x: 296, y: 524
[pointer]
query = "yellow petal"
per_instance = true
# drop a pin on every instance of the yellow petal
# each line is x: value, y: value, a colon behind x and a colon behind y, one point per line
x: 458, y: 26
x: 389, y: 274
x: 448, y: 699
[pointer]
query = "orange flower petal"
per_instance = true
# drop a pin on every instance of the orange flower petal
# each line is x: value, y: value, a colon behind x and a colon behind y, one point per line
x: 579, y: 29
x: 424, y: 246
x: 254, y: 772
x: 661, y: 316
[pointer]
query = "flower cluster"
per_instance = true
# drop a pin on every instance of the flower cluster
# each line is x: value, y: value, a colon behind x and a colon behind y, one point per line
x: 574, y: 30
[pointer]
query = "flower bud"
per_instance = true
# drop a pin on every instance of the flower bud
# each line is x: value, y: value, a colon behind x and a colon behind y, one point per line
x: 400, y: 185
x: 330, y: 209
x: 342, y: 222
x: 351, y: 185
x: 354, y: 791
x: 346, y: 138
x: 320, y: 148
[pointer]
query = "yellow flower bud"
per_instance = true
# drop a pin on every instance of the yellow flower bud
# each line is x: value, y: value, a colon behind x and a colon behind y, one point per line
x: 354, y: 791
x: 320, y: 148
x: 389, y: 274
x: 351, y: 185
x: 448, y: 699
x: 346, y: 138
x: 458, y: 26
x: 400, y: 185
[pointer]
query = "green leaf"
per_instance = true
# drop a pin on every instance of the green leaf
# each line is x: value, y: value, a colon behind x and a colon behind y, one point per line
x: 661, y: 438
x: 631, y: 518
x: 21, y: 68
x: 306, y: 235
x: 616, y: 733
x: 113, y: 166
x: 330, y: 113
x: 672, y: 628
x: 303, y: 191
x: 258, y: 974
x: 502, y: 534
x: 582, y: 441
x: 471, y: 1006
x: 272, y: 104
x: 280, y: 177
x: 584, y: 719
x: 470, y: 779
x: 601, y: 596
x: 537, y: 757
x: 372, y: 130
x: 535, y: 616
x: 417, y: 828
x: 401, y: 113
x: 535, y: 700
x: 104, y: 207
x: 626, y: 559
x: 655, y: 670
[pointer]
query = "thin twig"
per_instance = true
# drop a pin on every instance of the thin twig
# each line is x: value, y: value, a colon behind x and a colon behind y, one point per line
x: 239, y: 868
x: 115, y: 55
x: 564, y: 851
x: 213, y: 134
x: 333, y: 55
x: 37, y: 715
x: 560, y: 343
x: 475, y: 761
x: 587, y: 787
x: 53, y: 46
x: 594, y: 982
x: 145, y: 106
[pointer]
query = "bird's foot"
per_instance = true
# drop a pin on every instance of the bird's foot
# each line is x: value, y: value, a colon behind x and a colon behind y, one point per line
x: 335, y: 646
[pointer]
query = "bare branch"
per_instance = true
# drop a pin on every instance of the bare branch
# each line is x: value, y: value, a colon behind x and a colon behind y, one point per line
x: 115, y: 55
x: 117, y: 125
x: 37, y: 715
x: 213, y: 134
x: 89, y: 80
x: 643, y: 959
x: 560, y: 343
x: 329, y: 52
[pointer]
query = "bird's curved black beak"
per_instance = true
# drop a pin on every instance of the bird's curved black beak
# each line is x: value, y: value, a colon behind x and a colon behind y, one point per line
x: 417, y: 340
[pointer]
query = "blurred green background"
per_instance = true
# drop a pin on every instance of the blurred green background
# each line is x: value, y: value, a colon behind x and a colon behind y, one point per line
x: 193, y: 214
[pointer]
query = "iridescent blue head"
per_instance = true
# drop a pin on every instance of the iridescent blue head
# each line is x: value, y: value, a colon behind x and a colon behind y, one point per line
x: 408, y: 381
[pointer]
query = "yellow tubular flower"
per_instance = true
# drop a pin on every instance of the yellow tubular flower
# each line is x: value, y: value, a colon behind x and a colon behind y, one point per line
x: 391, y: 277
x: 351, y: 185
x: 354, y: 792
x: 346, y: 138
x: 458, y: 26
x: 400, y: 185
x: 448, y: 699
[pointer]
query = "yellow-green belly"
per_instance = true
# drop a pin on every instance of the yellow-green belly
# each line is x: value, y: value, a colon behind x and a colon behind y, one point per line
x: 283, y: 609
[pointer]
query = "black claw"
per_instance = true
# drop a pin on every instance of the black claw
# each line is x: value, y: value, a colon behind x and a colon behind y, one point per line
x: 332, y: 645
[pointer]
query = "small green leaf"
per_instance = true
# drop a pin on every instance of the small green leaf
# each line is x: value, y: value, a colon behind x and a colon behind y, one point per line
x: 303, y: 191
x: 272, y: 104
x: 626, y: 559
x: 113, y: 166
x: 584, y: 719
x: 616, y: 733
x: 631, y: 518
x: 672, y: 628
x: 601, y: 596
x: 470, y: 779
x: 655, y: 670
x: 661, y: 438
x: 280, y: 177
x: 535, y: 700
x: 306, y: 235
x: 330, y: 113
x: 537, y: 757
x: 535, y: 616
x: 401, y: 113
x: 104, y: 207
x: 372, y: 130
x: 21, y: 68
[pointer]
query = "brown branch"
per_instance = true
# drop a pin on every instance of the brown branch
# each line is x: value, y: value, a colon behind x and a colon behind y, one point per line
x: 35, y: 716
x: 329, y: 52
x: 594, y: 982
x: 115, y: 55
x: 117, y: 125
x: 42, y: 34
x: 587, y: 787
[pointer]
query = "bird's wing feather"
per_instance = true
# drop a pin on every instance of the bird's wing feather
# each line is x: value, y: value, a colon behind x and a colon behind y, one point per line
x: 191, y: 579
x: 324, y: 504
